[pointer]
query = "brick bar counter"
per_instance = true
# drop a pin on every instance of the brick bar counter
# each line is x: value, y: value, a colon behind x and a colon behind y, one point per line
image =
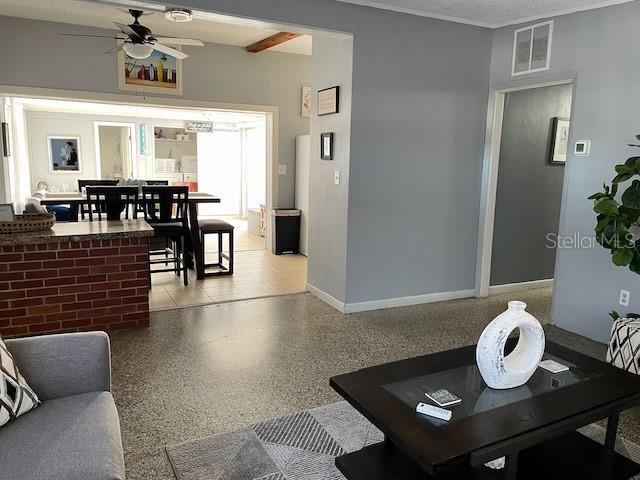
x: 76, y: 276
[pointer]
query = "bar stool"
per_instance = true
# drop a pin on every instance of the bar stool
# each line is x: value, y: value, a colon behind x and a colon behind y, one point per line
x: 165, y: 209
x: 218, y: 227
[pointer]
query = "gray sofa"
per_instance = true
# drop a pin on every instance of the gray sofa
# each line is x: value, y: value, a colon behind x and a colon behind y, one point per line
x: 75, y: 433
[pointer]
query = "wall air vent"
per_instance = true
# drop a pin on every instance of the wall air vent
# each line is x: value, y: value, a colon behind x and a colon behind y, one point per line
x: 532, y: 48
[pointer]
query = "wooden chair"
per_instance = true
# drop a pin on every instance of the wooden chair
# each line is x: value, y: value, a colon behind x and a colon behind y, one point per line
x: 111, y: 201
x: 82, y: 184
x: 165, y: 209
x: 217, y: 227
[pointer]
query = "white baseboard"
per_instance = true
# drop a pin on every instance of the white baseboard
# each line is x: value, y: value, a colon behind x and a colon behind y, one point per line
x: 516, y: 287
x: 407, y: 301
x: 326, y: 298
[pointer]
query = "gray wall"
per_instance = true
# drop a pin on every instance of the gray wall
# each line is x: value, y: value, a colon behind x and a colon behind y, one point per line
x: 594, y: 47
x: 419, y: 110
x: 328, y: 214
x: 215, y: 73
x: 529, y: 190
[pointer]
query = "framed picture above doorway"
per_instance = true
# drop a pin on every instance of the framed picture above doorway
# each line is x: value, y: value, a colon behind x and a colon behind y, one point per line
x: 159, y: 73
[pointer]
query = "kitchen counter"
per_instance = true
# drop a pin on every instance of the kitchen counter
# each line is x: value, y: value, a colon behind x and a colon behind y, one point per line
x: 79, y: 231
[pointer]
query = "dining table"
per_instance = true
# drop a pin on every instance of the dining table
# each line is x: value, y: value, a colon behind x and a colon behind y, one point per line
x: 193, y: 251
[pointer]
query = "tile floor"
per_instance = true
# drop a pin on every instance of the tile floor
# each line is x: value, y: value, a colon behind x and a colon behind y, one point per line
x: 257, y: 273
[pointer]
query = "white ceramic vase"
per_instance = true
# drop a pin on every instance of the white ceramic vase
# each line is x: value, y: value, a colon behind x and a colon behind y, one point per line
x: 500, y: 371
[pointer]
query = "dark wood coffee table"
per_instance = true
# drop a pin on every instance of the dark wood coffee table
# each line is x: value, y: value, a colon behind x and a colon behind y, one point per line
x: 534, y: 426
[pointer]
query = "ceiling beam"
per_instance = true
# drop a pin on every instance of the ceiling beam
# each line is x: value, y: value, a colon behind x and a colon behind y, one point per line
x: 271, y: 41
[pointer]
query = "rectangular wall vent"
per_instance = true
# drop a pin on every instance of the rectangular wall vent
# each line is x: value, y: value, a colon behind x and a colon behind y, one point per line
x: 532, y: 48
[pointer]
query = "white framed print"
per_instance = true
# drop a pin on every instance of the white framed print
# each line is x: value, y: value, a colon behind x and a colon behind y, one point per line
x: 64, y: 154
x: 329, y: 101
x: 559, y: 141
x: 306, y: 102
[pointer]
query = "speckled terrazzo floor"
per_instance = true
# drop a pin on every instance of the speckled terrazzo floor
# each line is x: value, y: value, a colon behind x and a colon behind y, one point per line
x: 204, y: 370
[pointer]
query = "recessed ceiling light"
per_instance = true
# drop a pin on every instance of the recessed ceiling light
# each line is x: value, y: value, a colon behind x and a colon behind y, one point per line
x: 178, y: 15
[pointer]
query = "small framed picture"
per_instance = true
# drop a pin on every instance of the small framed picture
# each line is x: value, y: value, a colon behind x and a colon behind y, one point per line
x: 64, y: 154
x: 559, y: 141
x: 326, y: 146
x: 328, y: 101
x: 306, y: 102
x: 7, y: 214
x: 6, y: 149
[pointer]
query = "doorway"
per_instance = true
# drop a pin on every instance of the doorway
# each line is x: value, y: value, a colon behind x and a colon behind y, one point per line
x: 528, y: 151
x: 115, y: 151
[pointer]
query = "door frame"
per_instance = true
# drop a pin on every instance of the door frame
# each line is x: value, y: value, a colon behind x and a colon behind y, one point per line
x: 271, y: 111
x: 132, y: 144
x: 490, y: 166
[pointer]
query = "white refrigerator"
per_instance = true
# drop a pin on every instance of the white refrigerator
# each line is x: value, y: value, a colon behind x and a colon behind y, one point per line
x: 303, y: 158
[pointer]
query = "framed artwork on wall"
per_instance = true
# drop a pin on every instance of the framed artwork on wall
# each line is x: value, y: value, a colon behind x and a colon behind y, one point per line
x: 159, y: 73
x: 306, y: 102
x: 64, y: 154
x: 326, y: 146
x: 328, y: 101
x: 559, y: 141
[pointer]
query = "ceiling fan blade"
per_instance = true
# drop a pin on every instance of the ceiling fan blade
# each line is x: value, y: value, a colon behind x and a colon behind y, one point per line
x: 126, y: 29
x: 91, y: 36
x: 180, y: 41
x: 115, y: 49
x: 169, y: 51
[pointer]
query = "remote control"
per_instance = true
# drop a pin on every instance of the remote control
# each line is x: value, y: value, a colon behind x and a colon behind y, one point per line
x: 433, y: 411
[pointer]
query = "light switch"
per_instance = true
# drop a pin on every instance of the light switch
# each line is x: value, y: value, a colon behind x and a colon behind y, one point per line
x: 336, y: 177
x: 282, y: 169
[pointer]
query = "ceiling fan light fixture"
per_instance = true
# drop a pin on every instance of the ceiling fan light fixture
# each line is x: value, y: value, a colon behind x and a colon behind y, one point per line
x: 139, y: 51
x: 178, y: 15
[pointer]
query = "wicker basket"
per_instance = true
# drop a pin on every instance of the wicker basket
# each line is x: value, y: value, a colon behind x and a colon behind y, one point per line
x: 29, y: 222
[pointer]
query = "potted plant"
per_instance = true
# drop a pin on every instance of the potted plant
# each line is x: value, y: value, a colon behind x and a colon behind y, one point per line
x: 617, y: 230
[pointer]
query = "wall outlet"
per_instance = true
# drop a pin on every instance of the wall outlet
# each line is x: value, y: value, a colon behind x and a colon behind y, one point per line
x: 282, y: 169
x: 336, y: 177
x: 625, y: 297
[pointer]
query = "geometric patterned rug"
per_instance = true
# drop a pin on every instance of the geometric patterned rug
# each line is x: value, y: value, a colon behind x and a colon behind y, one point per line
x: 302, y: 446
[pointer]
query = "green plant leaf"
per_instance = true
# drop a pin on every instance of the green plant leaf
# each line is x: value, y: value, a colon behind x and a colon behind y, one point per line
x: 621, y: 169
x: 606, y: 206
x: 622, y: 257
x: 631, y: 162
x: 631, y: 196
x: 623, y: 177
x: 596, y: 196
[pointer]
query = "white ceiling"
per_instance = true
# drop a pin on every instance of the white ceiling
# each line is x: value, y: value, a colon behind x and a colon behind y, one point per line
x: 224, y: 30
x: 487, y: 13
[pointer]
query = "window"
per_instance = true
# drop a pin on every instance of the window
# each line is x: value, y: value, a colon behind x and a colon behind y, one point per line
x: 532, y: 48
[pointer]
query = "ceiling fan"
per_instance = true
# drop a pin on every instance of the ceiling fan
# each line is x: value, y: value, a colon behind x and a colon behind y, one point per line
x: 139, y: 41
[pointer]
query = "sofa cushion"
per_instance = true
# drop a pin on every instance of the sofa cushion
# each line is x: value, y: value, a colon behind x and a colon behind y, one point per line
x: 16, y: 396
x: 75, y: 437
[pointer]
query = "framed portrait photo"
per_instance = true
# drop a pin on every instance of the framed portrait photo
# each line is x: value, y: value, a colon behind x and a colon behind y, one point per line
x: 64, y: 154
x: 328, y: 101
x: 159, y: 73
x: 559, y: 141
x: 326, y: 146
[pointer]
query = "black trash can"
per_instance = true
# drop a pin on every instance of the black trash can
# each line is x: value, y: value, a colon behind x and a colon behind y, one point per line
x: 287, y: 223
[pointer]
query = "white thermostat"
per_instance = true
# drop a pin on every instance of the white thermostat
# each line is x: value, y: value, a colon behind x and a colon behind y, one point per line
x: 582, y: 147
